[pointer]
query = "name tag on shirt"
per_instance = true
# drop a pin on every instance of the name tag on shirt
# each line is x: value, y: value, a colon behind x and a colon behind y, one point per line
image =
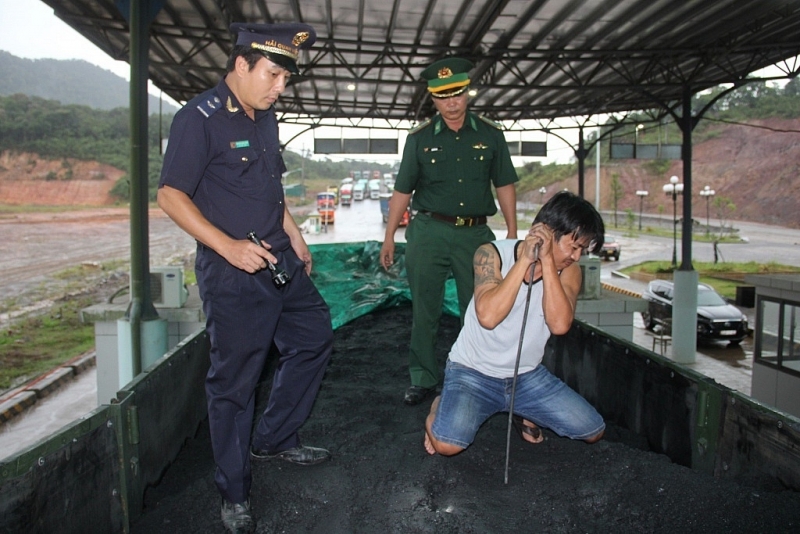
x: 240, y: 144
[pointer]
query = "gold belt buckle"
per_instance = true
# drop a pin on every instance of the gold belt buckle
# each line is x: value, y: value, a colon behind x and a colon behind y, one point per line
x: 461, y: 221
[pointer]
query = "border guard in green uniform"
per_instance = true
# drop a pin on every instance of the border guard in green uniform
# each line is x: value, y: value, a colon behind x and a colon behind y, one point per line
x: 449, y: 165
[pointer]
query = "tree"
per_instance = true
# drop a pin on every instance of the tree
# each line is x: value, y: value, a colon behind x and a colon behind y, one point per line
x: 723, y: 209
x: 630, y: 219
x: 792, y: 88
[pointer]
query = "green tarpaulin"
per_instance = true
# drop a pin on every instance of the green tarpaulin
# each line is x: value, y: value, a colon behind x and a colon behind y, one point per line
x: 353, y: 283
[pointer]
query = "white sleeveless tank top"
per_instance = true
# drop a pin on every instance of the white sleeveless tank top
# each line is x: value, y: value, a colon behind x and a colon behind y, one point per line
x: 494, y: 352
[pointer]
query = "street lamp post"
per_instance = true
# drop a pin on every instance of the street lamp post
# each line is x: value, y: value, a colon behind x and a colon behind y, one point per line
x: 673, y: 189
x: 542, y: 191
x: 707, y: 192
x: 641, y: 195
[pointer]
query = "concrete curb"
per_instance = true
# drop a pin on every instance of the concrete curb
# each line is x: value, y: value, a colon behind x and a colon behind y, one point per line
x: 17, y: 404
x: 15, y: 401
x: 628, y: 292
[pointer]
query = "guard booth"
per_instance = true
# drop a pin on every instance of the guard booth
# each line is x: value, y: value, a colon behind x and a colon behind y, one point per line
x: 776, y: 358
x: 312, y: 225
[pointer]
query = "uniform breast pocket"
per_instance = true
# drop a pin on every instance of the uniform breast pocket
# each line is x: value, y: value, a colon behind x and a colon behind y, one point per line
x: 482, y: 155
x: 242, y: 167
x: 433, y: 161
x: 479, y: 168
x: 240, y: 158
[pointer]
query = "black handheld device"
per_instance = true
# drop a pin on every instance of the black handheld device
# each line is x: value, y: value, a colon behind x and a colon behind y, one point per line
x: 279, y: 277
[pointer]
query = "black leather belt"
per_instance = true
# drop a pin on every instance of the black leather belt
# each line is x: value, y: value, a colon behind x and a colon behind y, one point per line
x: 458, y: 221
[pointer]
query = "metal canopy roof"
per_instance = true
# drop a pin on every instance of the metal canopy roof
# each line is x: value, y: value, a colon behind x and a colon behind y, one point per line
x: 535, y: 59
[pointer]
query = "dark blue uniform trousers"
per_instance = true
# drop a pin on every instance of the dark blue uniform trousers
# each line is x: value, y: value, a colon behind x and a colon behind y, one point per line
x: 245, y: 314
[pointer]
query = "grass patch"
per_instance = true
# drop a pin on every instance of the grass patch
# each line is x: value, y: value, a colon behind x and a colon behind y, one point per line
x: 40, y: 339
x: 37, y: 339
x: 726, y: 288
x: 697, y: 237
x: 35, y: 345
x: 723, y: 277
x: 702, y: 267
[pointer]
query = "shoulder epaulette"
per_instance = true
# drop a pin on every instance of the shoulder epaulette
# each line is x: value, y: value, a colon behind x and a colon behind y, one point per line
x: 210, y: 105
x: 490, y: 122
x: 420, y: 126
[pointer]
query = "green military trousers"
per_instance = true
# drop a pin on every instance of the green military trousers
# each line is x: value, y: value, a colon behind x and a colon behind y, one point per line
x: 434, y: 249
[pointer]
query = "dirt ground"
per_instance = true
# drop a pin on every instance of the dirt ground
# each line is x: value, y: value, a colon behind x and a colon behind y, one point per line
x: 35, y: 246
x: 381, y: 480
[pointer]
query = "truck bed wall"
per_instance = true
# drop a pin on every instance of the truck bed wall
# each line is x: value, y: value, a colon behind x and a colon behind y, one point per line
x: 689, y: 417
x: 95, y: 471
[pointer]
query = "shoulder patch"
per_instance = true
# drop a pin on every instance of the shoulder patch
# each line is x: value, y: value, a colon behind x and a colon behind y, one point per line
x: 490, y: 122
x: 420, y: 126
x: 210, y: 105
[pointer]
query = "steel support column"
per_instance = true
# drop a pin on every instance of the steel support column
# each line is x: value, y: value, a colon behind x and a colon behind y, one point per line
x: 684, y: 305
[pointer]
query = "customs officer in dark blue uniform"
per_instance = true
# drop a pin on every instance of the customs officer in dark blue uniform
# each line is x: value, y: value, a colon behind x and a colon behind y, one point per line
x: 449, y: 166
x: 221, y: 180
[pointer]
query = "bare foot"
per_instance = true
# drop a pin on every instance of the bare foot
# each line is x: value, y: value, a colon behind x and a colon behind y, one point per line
x: 427, y: 443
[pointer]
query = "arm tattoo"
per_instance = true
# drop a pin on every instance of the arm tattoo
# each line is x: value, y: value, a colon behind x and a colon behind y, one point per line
x: 484, y: 267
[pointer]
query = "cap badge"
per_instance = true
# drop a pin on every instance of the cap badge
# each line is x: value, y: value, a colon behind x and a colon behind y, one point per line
x: 445, y: 72
x: 300, y: 38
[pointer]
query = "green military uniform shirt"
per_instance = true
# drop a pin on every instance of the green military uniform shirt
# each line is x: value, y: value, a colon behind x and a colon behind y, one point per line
x: 451, y: 172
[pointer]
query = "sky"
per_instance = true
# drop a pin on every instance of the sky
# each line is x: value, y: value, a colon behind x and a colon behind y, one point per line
x: 43, y: 35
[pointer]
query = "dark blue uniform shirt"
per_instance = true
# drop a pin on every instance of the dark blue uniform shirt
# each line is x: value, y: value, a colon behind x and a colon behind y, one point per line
x: 229, y: 165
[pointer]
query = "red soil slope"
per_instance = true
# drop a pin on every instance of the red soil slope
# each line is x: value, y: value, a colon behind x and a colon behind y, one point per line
x: 27, y: 179
x: 756, y: 166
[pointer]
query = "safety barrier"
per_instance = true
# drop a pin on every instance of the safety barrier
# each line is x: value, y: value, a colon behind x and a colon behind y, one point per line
x: 689, y: 417
x: 92, y: 475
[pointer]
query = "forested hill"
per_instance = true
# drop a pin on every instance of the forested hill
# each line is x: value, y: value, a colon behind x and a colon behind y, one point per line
x: 746, y: 148
x: 69, y: 82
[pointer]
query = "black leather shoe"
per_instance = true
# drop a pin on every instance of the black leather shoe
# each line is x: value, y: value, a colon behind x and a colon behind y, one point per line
x: 299, y: 455
x: 237, y: 518
x: 416, y: 394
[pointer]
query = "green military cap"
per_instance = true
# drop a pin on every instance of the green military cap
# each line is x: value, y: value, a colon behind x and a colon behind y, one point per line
x: 448, y: 77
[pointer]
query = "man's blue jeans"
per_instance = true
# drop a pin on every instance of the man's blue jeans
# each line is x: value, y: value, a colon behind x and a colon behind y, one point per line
x: 469, y: 398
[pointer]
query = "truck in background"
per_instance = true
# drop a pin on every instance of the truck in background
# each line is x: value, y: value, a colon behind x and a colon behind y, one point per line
x: 326, y: 204
x: 360, y: 190
x: 374, y: 188
x: 346, y: 194
x: 384, y: 198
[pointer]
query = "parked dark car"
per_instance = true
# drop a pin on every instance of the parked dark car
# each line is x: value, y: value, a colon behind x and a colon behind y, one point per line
x: 611, y: 248
x: 716, y: 319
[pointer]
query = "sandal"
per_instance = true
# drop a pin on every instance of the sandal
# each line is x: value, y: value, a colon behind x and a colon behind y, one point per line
x: 531, y: 434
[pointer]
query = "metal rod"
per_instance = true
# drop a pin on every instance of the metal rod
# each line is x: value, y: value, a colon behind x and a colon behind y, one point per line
x: 516, y: 365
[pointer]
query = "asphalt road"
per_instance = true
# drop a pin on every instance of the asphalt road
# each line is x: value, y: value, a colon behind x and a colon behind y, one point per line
x: 35, y: 246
